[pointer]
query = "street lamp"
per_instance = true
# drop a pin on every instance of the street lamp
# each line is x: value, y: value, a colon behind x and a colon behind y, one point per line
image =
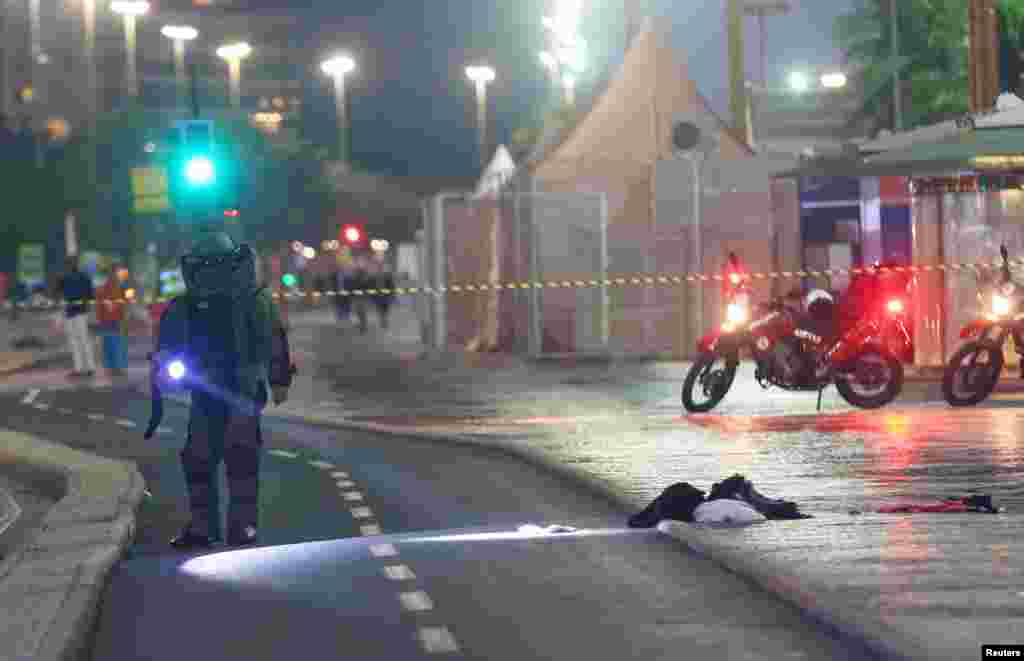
x: 179, y: 34
x: 234, y: 54
x: 337, y: 68
x: 799, y: 82
x: 481, y: 75
x: 833, y: 80
x: 130, y: 10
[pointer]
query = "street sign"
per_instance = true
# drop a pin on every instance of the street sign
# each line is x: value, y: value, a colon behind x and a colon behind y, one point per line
x: 150, y: 190
x: 32, y: 264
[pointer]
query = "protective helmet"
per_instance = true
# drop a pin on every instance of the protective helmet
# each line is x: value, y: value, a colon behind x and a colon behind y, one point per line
x: 217, y: 265
x: 819, y: 304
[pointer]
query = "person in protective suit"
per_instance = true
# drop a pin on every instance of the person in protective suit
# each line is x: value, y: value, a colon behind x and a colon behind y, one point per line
x: 227, y: 333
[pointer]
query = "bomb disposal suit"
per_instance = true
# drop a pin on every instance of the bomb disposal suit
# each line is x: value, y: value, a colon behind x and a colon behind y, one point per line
x: 223, y: 341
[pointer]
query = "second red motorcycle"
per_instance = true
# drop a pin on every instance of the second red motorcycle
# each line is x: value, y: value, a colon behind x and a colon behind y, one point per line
x: 800, y: 346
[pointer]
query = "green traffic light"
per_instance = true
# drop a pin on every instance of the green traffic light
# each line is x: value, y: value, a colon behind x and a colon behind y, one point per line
x: 289, y: 280
x: 199, y: 171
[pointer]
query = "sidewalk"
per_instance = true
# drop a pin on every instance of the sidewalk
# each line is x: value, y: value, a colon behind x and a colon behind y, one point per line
x: 919, y: 585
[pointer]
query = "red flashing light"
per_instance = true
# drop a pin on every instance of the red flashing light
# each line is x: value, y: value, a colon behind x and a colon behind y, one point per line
x: 351, y: 234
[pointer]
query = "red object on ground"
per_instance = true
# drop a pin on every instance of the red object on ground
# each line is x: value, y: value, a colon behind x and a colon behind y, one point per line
x: 943, y: 506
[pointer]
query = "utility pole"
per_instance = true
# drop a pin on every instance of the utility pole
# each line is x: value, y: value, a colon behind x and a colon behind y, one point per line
x: 737, y: 67
x: 897, y: 82
x: 983, y: 54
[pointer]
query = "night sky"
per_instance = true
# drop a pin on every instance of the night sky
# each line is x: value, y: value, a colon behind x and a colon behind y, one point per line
x: 412, y: 107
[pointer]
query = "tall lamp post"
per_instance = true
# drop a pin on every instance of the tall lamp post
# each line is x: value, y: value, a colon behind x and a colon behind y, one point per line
x: 130, y: 10
x: 234, y: 54
x: 180, y: 35
x: 481, y: 76
x: 337, y: 68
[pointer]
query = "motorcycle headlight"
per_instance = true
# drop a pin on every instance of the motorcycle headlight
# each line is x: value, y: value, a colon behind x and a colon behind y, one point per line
x: 1000, y: 305
x: 737, y: 313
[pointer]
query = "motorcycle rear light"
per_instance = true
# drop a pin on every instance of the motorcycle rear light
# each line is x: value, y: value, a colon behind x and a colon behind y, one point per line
x: 895, y: 306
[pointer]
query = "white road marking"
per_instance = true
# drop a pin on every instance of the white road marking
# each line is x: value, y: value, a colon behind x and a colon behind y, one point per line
x: 383, y: 550
x: 346, y: 484
x: 64, y: 411
x: 31, y: 396
x: 353, y: 496
x: 361, y: 513
x: 339, y: 475
x: 399, y: 573
x: 283, y: 453
x: 41, y: 407
x: 164, y: 430
x: 96, y: 417
x: 126, y: 423
x: 369, y: 530
x: 415, y: 601
x: 321, y: 464
x: 437, y: 640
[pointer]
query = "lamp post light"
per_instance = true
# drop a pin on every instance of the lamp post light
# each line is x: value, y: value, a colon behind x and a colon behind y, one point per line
x: 130, y: 10
x: 180, y: 35
x: 481, y: 76
x: 337, y: 68
x: 234, y: 54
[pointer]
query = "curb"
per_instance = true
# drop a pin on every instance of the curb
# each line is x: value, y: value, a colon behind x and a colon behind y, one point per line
x: 50, y: 589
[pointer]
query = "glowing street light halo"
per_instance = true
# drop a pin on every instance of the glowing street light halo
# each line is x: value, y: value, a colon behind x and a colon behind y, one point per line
x: 199, y: 171
x: 130, y: 7
x: 833, y: 80
x: 799, y: 81
x: 480, y: 74
x: 338, y: 65
x: 179, y: 32
x: 236, y: 51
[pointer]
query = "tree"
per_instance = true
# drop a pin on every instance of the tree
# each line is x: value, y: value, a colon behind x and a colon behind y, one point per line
x: 934, y: 35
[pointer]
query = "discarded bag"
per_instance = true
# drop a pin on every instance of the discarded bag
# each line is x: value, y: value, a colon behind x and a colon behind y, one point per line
x: 737, y: 487
x: 727, y: 511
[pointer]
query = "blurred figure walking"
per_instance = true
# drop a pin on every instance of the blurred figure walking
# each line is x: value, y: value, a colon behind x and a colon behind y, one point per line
x: 110, y: 313
x: 382, y: 278
x: 359, y: 280
x: 76, y: 289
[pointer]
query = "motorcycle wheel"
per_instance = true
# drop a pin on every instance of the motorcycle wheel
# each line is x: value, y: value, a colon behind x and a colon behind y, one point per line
x: 849, y: 388
x: 981, y: 386
x: 713, y: 383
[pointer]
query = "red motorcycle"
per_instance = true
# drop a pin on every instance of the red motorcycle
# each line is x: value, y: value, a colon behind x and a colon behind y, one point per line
x: 800, y: 348
x: 973, y: 371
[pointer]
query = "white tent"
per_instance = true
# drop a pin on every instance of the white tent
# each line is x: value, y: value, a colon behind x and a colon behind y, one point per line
x: 501, y: 169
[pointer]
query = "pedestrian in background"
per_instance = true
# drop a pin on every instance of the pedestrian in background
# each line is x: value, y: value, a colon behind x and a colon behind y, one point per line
x: 76, y: 289
x: 342, y: 304
x: 110, y: 313
x: 383, y: 279
x: 359, y: 280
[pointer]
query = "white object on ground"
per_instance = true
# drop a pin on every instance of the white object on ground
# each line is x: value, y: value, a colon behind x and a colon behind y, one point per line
x: 727, y: 511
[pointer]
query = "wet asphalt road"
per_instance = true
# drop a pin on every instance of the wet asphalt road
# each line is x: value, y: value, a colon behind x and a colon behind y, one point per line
x: 447, y: 572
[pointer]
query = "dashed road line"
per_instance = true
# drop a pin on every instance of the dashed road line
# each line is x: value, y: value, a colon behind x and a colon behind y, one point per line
x: 282, y: 453
x: 339, y: 475
x: 353, y: 496
x: 437, y: 640
x: 346, y: 484
x: 164, y: 430
x: 369, y: 530
x: 126, y: 423
x: 417, y: 601
x: 41, y: 407
x: 64, y: 411
x: 361, y: 513
x: 383, y: 550
x: 31, y: 396
x: 321, y: 464
x: 96, y: 417
x: 399, y: 573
